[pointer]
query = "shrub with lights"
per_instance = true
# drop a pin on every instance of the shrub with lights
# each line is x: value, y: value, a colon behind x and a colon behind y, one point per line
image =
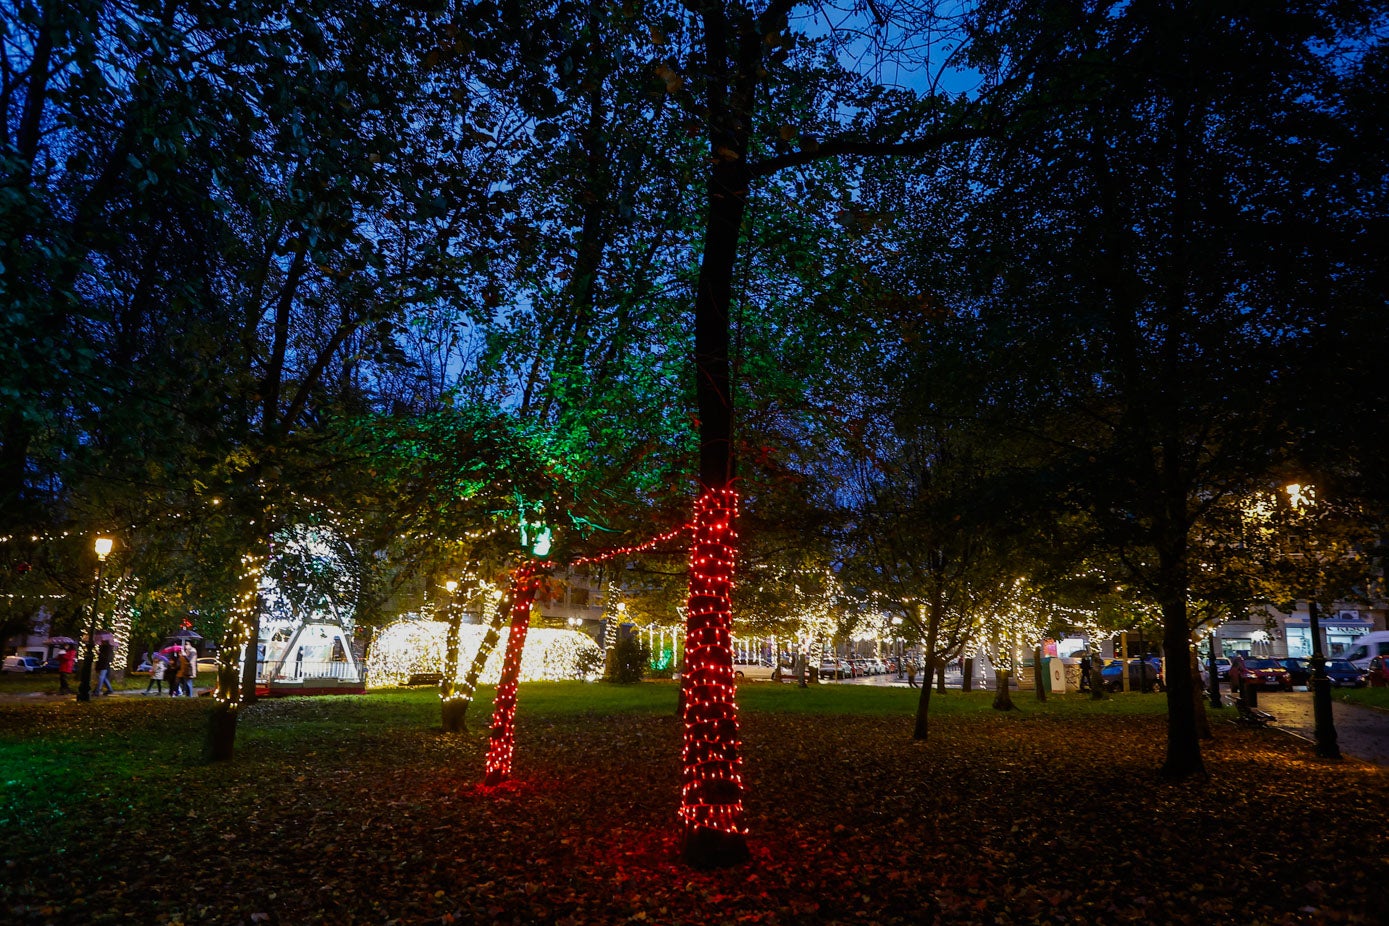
x: 415, y: 647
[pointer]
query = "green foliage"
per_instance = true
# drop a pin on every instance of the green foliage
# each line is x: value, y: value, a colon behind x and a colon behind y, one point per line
x: 627, y: 661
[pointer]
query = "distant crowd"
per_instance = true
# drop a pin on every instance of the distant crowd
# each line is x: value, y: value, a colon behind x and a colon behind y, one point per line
x: 177, y: 664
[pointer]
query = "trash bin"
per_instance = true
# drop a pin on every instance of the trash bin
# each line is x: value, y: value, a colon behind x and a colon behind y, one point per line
x: 1056, y: 675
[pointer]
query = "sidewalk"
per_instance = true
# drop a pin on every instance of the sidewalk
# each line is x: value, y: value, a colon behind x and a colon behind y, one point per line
x: 54, y: 695
x: 1361, y: 732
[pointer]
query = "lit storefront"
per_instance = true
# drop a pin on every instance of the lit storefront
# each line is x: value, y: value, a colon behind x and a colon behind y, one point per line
x: 1339, y: 630
x: 1283, y: 634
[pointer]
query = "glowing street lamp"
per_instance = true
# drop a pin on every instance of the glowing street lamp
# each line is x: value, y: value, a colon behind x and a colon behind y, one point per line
x: 1301, y: 497
x: 103, y: 547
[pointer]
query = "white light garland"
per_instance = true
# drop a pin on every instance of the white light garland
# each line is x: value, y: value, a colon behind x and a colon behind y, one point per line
x: 416, y: 647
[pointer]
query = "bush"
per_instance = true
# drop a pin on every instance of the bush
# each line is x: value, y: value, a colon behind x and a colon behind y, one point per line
x: 627, y: 664
x: 589, y: 663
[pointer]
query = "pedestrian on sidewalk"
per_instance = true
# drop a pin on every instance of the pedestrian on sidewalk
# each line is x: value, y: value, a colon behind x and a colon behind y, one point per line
x: 177, y: 666
x: 104, y: 656
x: 191, y: 655
x: 911, y: 673
x: 66, y: 663
x: 158, y: 665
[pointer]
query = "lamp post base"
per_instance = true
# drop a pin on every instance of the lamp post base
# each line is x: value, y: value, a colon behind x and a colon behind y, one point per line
x: 1328, y: 746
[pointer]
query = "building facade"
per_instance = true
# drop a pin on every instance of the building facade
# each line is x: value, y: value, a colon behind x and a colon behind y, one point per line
x: 1274, y: 633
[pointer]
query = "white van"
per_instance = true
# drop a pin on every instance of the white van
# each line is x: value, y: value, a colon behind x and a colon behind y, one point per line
x: 21, y: 664
x: 1368, y: 647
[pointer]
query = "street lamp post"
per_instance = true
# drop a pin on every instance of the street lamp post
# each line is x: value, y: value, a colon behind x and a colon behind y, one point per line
x: 1300, y: 496
x: 84, y: 688
x: 901, y: 648
x: 1327, y: 745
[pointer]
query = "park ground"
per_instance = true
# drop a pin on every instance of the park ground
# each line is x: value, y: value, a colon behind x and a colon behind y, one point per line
x: 359, y: 810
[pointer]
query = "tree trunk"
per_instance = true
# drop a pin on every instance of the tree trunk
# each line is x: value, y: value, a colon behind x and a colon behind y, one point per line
x: 454, y: 708
x: 229, y: 693
x: 1038, y: 684
x: 453, y: 711
x: 933, y: 616
x: 711, y: 808
x: 967, y: 682
x: 502, y: 744
x: 940, y: 676
x: 1183, y: 746
x: 250, y: 665
x: 1213, y: 676
x: 922, y: 727
x: 711, y: 801
x: 1003, y: 696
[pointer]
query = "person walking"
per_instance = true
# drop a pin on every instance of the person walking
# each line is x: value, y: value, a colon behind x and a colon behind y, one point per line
x: 911, y: 673
x: 104, y: 655
x: 66, y: 663
x: 158, y: 664
x: 191, y: 655
x: 178, y: 664
x: 1236, y: 676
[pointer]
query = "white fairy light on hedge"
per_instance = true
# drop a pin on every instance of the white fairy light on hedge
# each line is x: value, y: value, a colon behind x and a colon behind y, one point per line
x: 415, y: 647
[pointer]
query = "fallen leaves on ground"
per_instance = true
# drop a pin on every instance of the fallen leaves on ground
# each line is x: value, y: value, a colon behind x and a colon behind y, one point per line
x: 1006, y: 819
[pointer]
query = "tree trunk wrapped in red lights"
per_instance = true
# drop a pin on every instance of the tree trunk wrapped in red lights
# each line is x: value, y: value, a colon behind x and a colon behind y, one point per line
x: 503, y: 742
x: 711, y: 794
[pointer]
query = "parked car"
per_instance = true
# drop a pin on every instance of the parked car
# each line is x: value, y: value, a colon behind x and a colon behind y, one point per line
x: 1344, y: 674
x: 1299, y: 669
x: 834, y: 668
x: 758, y: 671
x: 1379, y: 672
x: 1267, y: 673
x: 21, y: 664
x: 1222, y: 667
x: 1148, y: 670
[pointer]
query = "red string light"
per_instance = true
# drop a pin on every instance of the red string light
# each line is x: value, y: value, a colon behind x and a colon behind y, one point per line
x: 502, y: 745
x: 711, y: 793
x: 634, y: 549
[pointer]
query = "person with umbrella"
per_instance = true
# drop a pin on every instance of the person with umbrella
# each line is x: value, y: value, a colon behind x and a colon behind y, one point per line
x: 66, y: 663
x: 191, y: 655
x: 178, y: 665
x: 158, y: 664
x: 104, y: 656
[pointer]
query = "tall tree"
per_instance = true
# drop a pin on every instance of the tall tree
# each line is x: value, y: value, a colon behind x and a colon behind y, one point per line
x: 1147, y: 256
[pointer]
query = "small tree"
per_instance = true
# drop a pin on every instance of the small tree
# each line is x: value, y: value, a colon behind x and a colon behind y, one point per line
x: 629, y: 659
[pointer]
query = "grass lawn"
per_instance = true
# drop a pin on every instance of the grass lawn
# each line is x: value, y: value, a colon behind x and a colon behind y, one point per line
x: 358, y: 810
x: 1370, y: 697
